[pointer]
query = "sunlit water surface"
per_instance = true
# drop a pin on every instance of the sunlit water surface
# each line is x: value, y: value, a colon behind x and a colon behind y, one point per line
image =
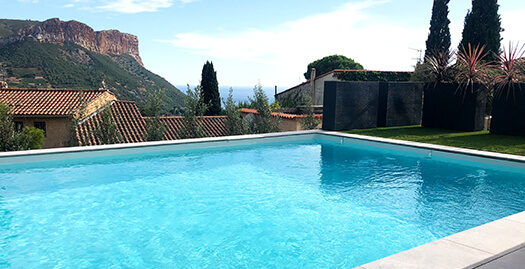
x: 312, y: 204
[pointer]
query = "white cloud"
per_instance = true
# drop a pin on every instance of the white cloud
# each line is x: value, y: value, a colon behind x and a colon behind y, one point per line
x: 137, y: 6
x: 513, y: 22
x: 288, y: 48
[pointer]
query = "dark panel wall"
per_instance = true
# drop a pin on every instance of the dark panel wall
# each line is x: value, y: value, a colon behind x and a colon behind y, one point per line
x: 508, y: 111
x: 405, y: 104
x: 368, y: 104
x: 451, y: 106
x: 350, y: 105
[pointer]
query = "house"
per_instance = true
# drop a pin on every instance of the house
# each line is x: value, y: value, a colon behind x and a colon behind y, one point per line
x: 52, y: 109
x: 289, y: 122
x: 315, y: 87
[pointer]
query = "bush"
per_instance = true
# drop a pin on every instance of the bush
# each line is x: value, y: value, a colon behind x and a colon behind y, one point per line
x: 233, y: 121
x: 10, y: 140
x: 374, y: 76
x: 30, y: 138
x: 263, y: 121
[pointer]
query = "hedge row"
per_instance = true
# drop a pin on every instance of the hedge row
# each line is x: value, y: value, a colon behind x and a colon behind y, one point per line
x: 374, y: 76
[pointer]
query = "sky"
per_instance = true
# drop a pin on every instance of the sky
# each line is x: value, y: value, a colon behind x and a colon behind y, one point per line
x: 270, y: 42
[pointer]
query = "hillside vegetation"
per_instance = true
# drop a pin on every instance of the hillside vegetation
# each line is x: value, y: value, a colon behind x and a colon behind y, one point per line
x: 31, y: 64
x: 9, y: 27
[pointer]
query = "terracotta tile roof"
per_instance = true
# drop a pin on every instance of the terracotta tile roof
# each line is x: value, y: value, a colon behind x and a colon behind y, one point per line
x: 282, y: 115
x: 129, y: 122
x: 50, y: 102
x: 213, y: 126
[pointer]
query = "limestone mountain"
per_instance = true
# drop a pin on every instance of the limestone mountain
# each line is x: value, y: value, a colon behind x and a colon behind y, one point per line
x: 57, y: 54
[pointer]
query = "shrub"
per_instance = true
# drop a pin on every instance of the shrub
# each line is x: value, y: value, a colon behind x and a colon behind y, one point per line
x: 510, y: 67
x: 194, y: 110
x: 374, y: 76
x: 470, y: 66
x: 233, y: 121
x: 438, y: 65
x: 263, y: 121
x: 309, y: 122
x: 7, y: 129
x: 30, y: 138
x: 154, y: 126
x: 106, y: 131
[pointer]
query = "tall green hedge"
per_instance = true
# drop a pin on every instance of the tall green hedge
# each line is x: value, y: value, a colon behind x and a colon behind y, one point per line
x: 374, y: 76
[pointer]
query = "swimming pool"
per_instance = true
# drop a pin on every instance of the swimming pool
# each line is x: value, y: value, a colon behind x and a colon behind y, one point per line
x: 311, y: 201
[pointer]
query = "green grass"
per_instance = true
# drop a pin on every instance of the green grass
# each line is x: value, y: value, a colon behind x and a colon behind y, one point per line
x: 482, y: 140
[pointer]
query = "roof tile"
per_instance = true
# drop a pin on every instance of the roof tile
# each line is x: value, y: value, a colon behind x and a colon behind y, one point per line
x: 49, y: 102
x: 129, y: 123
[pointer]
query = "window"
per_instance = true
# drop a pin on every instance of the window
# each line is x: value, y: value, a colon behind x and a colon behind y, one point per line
x: 40, y: 125
x: 19, y: 126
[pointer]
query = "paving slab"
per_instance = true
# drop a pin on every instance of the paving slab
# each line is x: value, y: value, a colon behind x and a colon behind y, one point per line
x: 496, y: 237
x: 435, y: 255
x: 520, y: 217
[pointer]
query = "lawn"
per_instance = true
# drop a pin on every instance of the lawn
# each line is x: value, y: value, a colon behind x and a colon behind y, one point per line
x: 482, y: 140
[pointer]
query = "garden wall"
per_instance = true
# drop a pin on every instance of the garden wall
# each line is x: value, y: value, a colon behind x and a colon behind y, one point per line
x: 452, y: 106
x: 508, y: 111
x: 369, y: 104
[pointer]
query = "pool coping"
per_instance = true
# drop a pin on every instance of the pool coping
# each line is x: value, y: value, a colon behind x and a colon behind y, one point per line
x: 468, y: 249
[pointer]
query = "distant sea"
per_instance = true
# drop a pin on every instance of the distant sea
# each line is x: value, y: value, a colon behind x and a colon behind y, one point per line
x: 240, y: 93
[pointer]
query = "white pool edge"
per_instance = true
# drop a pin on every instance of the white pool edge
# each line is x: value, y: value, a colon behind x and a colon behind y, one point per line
x: 467, y: 249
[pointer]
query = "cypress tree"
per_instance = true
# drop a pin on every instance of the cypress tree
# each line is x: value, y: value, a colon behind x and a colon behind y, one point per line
x: 439, y: 36
x: 483, y: 27
x: 210, y: 90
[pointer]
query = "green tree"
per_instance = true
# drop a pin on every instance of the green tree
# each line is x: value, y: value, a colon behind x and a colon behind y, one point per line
x: 29, y: 138
x: 7, y: 129
x: 263, y: 121
x: 106, y: 131
x: 233, y: 121
x: 483, y: 27
x: 439, y: 36
x: 154, y: 126
x: 309, y: 122
x: 210, y: 90
x: 330, y: 63
x: 194, y: 110
x: 75, y: 117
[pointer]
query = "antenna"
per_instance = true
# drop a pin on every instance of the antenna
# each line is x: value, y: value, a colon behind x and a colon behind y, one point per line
x: 420, y: 52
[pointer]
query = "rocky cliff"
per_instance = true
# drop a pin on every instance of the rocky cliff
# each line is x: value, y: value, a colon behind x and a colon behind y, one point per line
x: 59, y: 32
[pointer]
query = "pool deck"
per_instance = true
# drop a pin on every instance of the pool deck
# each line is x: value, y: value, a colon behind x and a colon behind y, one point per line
x: 491, y: 245
x: 498, y: 244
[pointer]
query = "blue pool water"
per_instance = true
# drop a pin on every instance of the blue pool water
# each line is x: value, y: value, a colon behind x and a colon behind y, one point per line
x: 308, y: 204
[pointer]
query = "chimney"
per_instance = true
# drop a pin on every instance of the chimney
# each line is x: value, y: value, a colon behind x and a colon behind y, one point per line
x: 275, y: 89
x: 312, y: 85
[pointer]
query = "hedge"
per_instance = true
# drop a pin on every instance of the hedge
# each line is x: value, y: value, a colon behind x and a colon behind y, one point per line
x: 374, y: 76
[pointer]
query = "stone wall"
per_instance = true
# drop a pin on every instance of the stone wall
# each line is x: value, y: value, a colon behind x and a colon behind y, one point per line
x: 305, y: 88
x: 97, y: 104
